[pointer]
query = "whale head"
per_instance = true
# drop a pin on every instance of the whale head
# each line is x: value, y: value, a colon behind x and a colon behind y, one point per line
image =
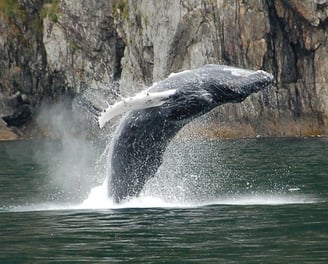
x: 198, y: 91
x: 191, y: 93
x: 230, y: 84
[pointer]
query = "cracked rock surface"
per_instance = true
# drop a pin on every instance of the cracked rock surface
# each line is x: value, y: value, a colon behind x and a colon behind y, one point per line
x: 59, y: 49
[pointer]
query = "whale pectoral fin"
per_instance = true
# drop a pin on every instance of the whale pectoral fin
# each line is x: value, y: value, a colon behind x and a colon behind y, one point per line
x: 140, y: 101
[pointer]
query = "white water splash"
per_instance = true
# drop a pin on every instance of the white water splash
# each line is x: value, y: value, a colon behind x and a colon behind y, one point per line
x: 98, y: 200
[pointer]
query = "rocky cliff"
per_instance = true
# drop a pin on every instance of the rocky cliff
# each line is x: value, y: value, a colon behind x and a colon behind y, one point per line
x: 51, y: 50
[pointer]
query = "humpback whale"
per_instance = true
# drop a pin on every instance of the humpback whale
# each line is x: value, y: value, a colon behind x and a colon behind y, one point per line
x: 154, y: 116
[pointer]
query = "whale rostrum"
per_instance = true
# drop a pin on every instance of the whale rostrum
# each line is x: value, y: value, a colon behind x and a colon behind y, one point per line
x: 153, y: 117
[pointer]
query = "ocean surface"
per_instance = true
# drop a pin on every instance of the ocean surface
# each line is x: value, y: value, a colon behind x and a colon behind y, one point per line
x: 212, y: 201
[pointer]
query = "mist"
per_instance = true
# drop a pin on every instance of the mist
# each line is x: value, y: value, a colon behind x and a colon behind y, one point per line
x: 74, y: 158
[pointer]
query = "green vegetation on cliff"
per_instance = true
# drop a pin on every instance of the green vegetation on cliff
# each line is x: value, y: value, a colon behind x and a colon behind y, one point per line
x: 50, y: 9
x: 11, y: 9
x: 121, y: 9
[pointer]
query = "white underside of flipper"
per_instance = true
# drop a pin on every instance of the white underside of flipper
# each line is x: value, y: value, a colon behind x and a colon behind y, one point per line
x: 142, y: 100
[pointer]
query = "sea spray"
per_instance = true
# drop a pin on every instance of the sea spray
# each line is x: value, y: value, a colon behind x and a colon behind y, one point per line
x: 80, y: 169
x: 70, y: 156
x: 73, y: 160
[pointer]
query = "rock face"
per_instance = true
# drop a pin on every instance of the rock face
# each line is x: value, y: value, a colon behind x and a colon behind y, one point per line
x: 59, y: 48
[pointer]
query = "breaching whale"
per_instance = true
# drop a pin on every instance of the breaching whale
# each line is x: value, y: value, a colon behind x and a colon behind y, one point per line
x: 154, y: 116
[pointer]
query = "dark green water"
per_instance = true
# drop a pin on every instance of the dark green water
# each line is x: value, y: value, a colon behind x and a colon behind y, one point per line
x: 239, y: 201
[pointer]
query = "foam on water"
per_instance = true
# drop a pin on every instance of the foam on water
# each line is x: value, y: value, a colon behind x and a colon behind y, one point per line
x: 98, y: 200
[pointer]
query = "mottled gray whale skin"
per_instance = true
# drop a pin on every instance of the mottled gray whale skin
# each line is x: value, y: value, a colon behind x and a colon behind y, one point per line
x: 143, y: 135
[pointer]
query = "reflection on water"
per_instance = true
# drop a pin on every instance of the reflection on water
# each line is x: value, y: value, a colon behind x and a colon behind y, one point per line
x: 253, y: 201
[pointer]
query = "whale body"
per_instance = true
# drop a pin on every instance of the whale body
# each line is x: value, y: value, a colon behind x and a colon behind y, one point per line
x: 153, y: 118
